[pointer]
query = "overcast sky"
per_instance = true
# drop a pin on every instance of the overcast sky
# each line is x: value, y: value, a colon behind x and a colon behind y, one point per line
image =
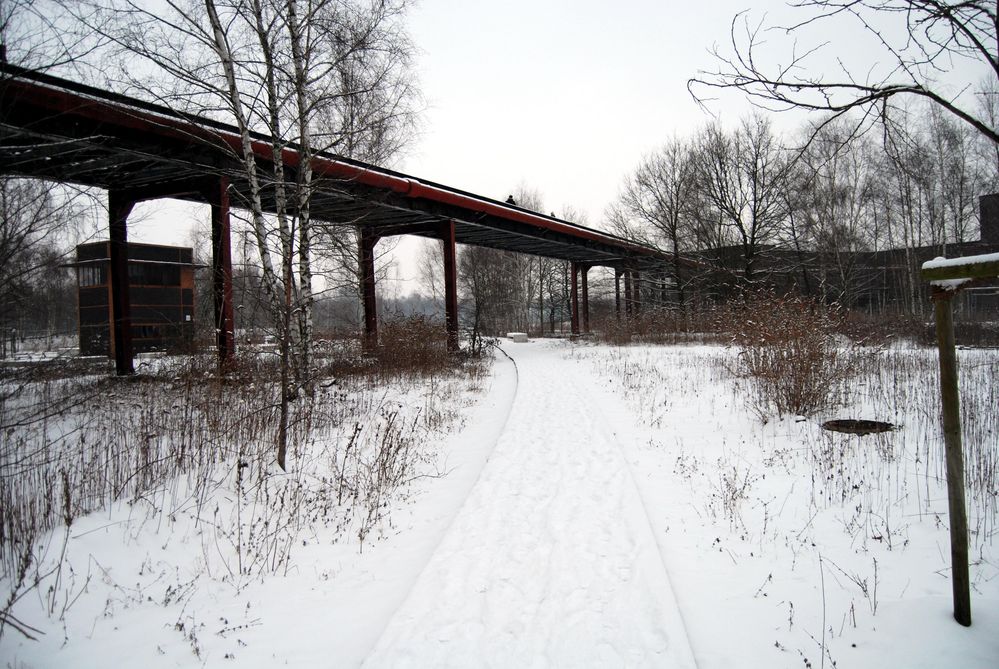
x: 564, y: 97
x: 561, y: 96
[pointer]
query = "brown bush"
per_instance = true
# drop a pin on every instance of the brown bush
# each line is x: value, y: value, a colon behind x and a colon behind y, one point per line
x: 791, y: 350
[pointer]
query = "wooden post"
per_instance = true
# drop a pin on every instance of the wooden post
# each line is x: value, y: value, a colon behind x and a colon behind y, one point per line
x: 949, y: 397
x: 953, y: 275
x: 583, y: 270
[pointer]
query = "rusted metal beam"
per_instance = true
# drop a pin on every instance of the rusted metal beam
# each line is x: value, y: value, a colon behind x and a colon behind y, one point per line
x: 119, y: 207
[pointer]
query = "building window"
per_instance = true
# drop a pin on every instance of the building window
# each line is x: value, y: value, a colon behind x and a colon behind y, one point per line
x: 92, y: 275
x: 153, y: 275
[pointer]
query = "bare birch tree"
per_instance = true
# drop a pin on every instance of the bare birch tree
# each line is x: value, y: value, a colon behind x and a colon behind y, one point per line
x: 276, y: 67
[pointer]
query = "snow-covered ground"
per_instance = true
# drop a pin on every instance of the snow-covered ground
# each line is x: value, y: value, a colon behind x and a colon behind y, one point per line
x: 601, y: 507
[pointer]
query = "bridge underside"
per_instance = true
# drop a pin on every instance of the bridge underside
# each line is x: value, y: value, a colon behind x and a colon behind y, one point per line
x: 61, y: 131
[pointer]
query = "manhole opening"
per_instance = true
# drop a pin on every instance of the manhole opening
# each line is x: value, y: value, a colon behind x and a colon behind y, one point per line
x: 861, y: 427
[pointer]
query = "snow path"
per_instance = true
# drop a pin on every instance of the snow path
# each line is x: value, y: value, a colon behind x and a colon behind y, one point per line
x: 551, y: 561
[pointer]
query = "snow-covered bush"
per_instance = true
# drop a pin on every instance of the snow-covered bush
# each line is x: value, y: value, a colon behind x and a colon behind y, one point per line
x: 790, y: 350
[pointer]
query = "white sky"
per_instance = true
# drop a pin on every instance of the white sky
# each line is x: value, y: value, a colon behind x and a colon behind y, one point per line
x: 563, y: 97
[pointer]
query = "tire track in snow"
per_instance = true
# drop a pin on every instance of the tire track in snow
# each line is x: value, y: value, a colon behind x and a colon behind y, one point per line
x: 603, y: 422
x: 447, y: 528
x: 551, y: 560
x: 386, y: 578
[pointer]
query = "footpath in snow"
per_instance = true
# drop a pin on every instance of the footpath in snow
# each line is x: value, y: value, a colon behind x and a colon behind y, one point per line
x: 551, y: 560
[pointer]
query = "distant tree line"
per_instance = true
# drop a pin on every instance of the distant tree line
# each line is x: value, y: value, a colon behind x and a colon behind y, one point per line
x: 757, y: 202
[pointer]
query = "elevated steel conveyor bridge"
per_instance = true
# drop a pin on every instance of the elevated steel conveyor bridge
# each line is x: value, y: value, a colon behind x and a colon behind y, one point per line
x: 63, y: 131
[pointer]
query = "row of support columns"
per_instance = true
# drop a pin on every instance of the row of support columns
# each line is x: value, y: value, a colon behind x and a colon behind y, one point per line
x: 366, y: 252
x: 632, y: 294
x: 216, y: 193
x: 120, y: 205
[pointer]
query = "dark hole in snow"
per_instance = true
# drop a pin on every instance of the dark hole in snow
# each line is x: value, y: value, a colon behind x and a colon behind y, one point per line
x: 861, y: 427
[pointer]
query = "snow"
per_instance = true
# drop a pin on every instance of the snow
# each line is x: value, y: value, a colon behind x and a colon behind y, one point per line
x: 551, y: 561
x: 938, y: 263
x: 601, y: 507
x: 949, y: 284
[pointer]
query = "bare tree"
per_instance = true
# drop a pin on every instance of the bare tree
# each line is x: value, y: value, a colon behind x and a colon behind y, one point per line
x: 829, y: 198
x: 655, y: 204
x: 742, y: 176
x: 37, y: 34
x: 307, y: 73
x: 921, y: 40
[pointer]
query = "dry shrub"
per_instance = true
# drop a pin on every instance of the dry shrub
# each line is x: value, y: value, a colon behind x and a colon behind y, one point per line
x: 790, y: 349
x: 672, y: 325
x: 412, y: 345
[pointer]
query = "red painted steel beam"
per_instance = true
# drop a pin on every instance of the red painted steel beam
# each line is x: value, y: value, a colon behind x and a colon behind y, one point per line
x: 58, y: 101
x: 217, y: 194
x: 450, y: 285
x: 119, y: 207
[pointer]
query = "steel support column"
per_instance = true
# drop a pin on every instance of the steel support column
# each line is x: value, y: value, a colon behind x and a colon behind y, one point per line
x: 574, y: 293
x: 217, y: 194
x: 617, y: 294
x: 366, y: 257
x: 119, y: 207
x: 450, y: 286
x: 627, y: 294
x: 583, y: 270
x: 637, y: 290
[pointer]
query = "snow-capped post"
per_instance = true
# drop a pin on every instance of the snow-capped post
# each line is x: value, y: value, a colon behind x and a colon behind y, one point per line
x: 947, y: 277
